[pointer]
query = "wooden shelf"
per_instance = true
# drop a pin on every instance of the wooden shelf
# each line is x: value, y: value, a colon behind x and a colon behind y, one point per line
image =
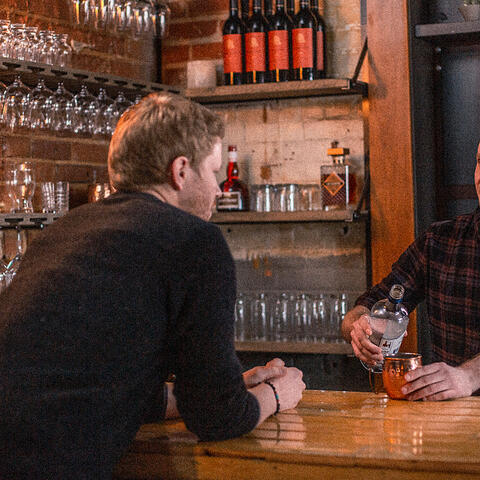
x: 287, y: 217
x: 268, y: 91
x: 449, y: 33
x: 295, y: 347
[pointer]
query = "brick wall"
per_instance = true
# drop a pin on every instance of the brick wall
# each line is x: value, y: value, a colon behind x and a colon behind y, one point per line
x: 73, y: 159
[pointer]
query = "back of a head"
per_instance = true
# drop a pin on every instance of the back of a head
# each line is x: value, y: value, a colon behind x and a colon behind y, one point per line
x: 151, y: 134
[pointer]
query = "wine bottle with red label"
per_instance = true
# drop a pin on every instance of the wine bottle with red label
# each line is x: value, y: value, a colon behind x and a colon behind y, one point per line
x: 279, y: 44
x: 304, y: 42
x: 233, y: 47
x: 256, y: 60
x: 320, y: 64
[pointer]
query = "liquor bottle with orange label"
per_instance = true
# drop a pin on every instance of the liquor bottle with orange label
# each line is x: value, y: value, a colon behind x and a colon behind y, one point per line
x: 279, y: 44
x: 338, y: 184
x: 304, y: 42
x: 233, y: 47
x: 234, y: 191
x: 256, y: 61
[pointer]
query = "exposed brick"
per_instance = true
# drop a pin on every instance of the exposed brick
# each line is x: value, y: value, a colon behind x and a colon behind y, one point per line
x: 190, y: 30
x: 75, y: 173
x: 175, y: 54
x: 175, y: 76
x: 48, y: 149
x: 208, y: 7
x: 207, y: 51
x: 15, y: 146
x: 89, y: 152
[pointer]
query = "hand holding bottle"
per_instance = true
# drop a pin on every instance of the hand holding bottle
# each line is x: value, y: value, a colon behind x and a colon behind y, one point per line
x: 363, y: 348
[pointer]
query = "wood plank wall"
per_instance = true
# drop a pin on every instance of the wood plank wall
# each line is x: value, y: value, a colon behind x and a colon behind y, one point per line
x: 392, y: 201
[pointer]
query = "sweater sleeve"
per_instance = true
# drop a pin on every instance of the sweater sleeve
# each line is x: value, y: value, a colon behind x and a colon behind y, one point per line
x: 409, y: 270
x: 211, y: 394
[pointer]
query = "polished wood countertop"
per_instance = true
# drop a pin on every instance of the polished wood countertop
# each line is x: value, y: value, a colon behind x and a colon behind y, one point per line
x: 329, y: 435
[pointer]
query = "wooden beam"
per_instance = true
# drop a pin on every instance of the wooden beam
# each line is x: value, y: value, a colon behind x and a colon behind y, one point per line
x: 390, y: 139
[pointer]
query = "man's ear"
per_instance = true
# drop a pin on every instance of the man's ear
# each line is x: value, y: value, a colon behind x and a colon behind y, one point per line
x: 178, y: 172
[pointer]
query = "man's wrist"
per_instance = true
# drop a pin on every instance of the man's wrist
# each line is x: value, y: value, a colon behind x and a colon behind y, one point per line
x: 471, y: 369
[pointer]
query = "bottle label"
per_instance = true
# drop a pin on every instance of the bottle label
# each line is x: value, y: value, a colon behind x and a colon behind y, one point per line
x: 320, y: 65
x: 232, y: 53
x: 230, y: 201
x: 390, y: 347
x: 302, y: 47
x: 278, y: 49
x: 255, y: 52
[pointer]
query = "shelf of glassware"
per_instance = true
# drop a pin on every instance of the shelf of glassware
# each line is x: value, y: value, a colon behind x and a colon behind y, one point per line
x: 341, y: 348
x: 349, y: 215
x: 266, y: 91
x: 73, y: 79
x: 27, y: 220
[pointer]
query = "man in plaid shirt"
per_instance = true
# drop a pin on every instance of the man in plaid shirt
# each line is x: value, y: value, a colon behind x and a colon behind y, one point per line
x: 441, y: 267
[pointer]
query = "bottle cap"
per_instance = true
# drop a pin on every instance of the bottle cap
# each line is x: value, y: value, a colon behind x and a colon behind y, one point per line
x: 397, y: 292
x: 335, y: 150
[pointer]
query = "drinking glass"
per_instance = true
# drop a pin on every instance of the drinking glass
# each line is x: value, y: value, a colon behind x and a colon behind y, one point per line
x: 48, y: 50
x: 3, y: 88
x: 15, y: 105
x: 102, y: 115
x: 39, y: 102
x: 64, y: 57
x: 281, y: 314
x: 320, y: 319
x: 31, y: 42
x: 302, y: 317
x: 260, y: 316
x: 14, y: 263
x: 85, y: 108
x: 20, y: 182
x: 5, y: 38
x: 18, y: 41
x: 240, y: 317
x: 3, y: 264
x: 59, y: 118
x: 116, y: 110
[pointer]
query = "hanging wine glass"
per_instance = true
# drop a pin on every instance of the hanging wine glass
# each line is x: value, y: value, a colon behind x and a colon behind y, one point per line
x: 14, y: 264
x: 102, y: 116
x: 38, y: 101
x: 15, y: 106
x: 116, y: 110
x: 20, y: 183
x: 59, y: 117
x: 85, y: 107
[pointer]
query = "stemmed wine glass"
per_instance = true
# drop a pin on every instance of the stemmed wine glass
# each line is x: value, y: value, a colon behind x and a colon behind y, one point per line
x: 14, y: 263
x: 20, y: 181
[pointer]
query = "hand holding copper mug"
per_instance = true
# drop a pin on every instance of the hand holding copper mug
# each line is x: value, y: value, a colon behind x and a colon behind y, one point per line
x: 394, y: 370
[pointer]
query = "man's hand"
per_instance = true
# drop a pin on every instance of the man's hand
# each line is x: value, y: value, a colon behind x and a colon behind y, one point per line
x: 438, y: 381
x: 273, y: 369
x: 363, y: 348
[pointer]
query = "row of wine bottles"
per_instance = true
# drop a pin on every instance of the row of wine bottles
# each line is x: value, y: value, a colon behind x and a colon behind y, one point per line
x: 273, y: 45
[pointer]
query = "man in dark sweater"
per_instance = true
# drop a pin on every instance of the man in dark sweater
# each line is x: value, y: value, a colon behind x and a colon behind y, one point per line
x: 115, y: 296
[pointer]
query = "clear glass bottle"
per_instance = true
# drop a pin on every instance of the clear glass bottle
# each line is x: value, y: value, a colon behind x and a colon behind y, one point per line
x: 389, y: 322
x: 337, y: 182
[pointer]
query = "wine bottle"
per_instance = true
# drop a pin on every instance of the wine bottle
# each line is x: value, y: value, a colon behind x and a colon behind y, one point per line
x: 256, y: 45
x: 291, y: 9
x: 233, y: 47
x: 234, y: 191
x: 245, y: 4
x: 279, y: 45
x: 268, y: 10
x: 320, y: 64
x: 389, y: 321
x: 303, y: 43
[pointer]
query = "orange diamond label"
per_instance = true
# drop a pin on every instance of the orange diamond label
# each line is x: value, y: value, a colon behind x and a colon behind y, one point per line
x: 333, y: 184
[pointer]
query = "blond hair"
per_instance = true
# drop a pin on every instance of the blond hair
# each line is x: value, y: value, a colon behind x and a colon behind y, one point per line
x: 151, y: 134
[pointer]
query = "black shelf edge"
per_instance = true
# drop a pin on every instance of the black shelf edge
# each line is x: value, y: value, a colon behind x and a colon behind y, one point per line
x: 458, y: 32
x: 273, y: 91
x: 287, y: 217
x: 27, y: 220
x: 30, y: 72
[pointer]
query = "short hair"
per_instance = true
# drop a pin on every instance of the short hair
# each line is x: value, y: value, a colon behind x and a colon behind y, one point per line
x: 150, y: 135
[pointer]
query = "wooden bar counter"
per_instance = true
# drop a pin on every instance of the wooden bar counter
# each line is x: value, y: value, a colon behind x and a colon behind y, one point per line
x: 330, y: 435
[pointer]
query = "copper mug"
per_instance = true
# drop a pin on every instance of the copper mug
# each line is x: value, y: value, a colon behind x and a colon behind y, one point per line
x: 395, y: 368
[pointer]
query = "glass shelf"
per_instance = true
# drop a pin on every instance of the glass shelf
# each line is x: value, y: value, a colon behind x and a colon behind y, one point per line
x: 295, y: 347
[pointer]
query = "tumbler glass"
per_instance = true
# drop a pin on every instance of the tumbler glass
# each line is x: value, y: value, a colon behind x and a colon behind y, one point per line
x: 20, y: 182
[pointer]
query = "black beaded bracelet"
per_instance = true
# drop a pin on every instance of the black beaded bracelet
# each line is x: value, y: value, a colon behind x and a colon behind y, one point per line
x: 276, y: 395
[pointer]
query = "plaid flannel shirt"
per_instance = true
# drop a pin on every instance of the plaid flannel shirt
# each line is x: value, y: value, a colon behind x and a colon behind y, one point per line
x: 442, y: 267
